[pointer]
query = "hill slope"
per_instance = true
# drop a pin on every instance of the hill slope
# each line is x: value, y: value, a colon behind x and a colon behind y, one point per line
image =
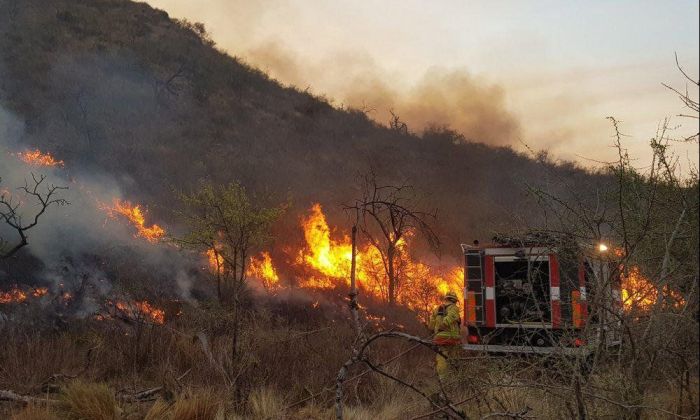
x: 119, y: 86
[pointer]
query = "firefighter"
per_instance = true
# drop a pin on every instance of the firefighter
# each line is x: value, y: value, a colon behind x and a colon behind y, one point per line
x: 445, y: 323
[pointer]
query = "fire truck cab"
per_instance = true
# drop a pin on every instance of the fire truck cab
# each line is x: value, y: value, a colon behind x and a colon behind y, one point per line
x: 533, y: 297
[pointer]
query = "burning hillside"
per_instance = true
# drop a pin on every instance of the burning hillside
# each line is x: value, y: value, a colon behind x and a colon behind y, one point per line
x: 320, y: 262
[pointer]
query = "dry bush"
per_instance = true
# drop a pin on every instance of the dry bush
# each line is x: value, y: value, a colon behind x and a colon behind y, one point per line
x: 265, y: 403
x: 34, y: 412
x: 200, y: 405
x: 86, y: 400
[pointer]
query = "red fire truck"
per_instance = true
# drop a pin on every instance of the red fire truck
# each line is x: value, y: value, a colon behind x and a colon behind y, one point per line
x: 532, y: 296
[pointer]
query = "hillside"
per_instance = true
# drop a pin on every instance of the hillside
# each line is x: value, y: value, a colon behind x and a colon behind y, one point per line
x: 120, y: 87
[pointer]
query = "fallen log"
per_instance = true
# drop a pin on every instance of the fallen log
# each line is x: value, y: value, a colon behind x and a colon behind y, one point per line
x: 11, y: 396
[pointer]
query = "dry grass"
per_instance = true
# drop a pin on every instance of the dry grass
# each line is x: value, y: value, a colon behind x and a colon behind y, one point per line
x: 86, y: 400
x: 160, y: 410
x: 34, y: 412
x: 265, y: 403
x: 387, y: 411
x: 201, y: 405
x: 280, y: 369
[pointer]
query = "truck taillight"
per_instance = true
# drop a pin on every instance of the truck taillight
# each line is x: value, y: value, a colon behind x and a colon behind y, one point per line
x: 473, y: 339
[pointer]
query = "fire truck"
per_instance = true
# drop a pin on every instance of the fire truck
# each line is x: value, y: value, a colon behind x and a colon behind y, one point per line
x: 532, y: 294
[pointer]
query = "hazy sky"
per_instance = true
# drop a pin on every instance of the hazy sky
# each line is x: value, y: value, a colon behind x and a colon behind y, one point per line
x: 549, y: 72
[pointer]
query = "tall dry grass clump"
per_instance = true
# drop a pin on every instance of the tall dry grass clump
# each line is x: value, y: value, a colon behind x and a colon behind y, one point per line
x: 265, y: 403
x: 86, y: 400
x: 160, y: 410
x: 201, y: 405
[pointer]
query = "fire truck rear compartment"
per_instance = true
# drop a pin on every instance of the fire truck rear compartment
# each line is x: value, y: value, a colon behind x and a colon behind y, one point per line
x: 522, y: 291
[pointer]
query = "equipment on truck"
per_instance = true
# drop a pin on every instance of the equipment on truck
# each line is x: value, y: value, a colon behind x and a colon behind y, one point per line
x: 531, y: 294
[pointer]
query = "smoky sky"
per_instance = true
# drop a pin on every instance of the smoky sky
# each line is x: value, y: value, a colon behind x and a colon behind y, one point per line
x: 510, y: 73
x: 455, y: 98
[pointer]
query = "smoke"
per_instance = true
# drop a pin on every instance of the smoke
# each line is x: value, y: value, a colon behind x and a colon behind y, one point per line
x: 452, y: 98
x: 79, y: 245
x: 445, y: 97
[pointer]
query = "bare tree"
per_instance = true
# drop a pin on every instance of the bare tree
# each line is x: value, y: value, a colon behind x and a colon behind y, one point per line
x: 15, y: 214
x: 396, y: 124
x: 690, y: 103
x: 386, y: 215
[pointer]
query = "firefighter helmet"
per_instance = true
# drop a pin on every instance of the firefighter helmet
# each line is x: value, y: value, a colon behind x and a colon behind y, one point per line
x: 451, y: 296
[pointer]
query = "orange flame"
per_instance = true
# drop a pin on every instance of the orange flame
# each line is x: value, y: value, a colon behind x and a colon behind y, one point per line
x: 261, y: 268
x: 216, y: 260
x: 640, y: 293
x: 14, y: 295
x: 326, y: 263
x: 324, y: 260
x: 137, y: 218
x: 329, y: 258
x: 37, y: 158
x: 141, y: 310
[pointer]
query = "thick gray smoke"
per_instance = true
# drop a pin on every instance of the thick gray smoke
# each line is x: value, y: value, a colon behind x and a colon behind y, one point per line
x: 68, y: 238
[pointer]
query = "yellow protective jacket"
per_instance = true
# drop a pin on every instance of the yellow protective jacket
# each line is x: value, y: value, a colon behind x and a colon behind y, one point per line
x: 445, y: 322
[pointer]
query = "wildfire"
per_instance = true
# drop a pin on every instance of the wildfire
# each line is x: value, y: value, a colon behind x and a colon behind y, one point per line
x: 323, y: 262
x: 141, y: 310
x: 17, y: 295
x: 37, y: 158
x: 262, y: 269
x: 14, y: 295
x: 328, y: 257
x: 326, y: 264
x: 638, y: 292
x: 137, y: 217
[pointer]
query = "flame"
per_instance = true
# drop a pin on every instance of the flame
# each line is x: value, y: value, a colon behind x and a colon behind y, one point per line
x: 640, y: 293
x: 323, y: 262
x: 326, y: 261
x: 216, y: 260
x: 136, y: 216
x: 14, y: 295
x: 40, y: 291
x: 329, y: 258
x: 261, y: 268
x: 37, y: 158
x: 141, y: 310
